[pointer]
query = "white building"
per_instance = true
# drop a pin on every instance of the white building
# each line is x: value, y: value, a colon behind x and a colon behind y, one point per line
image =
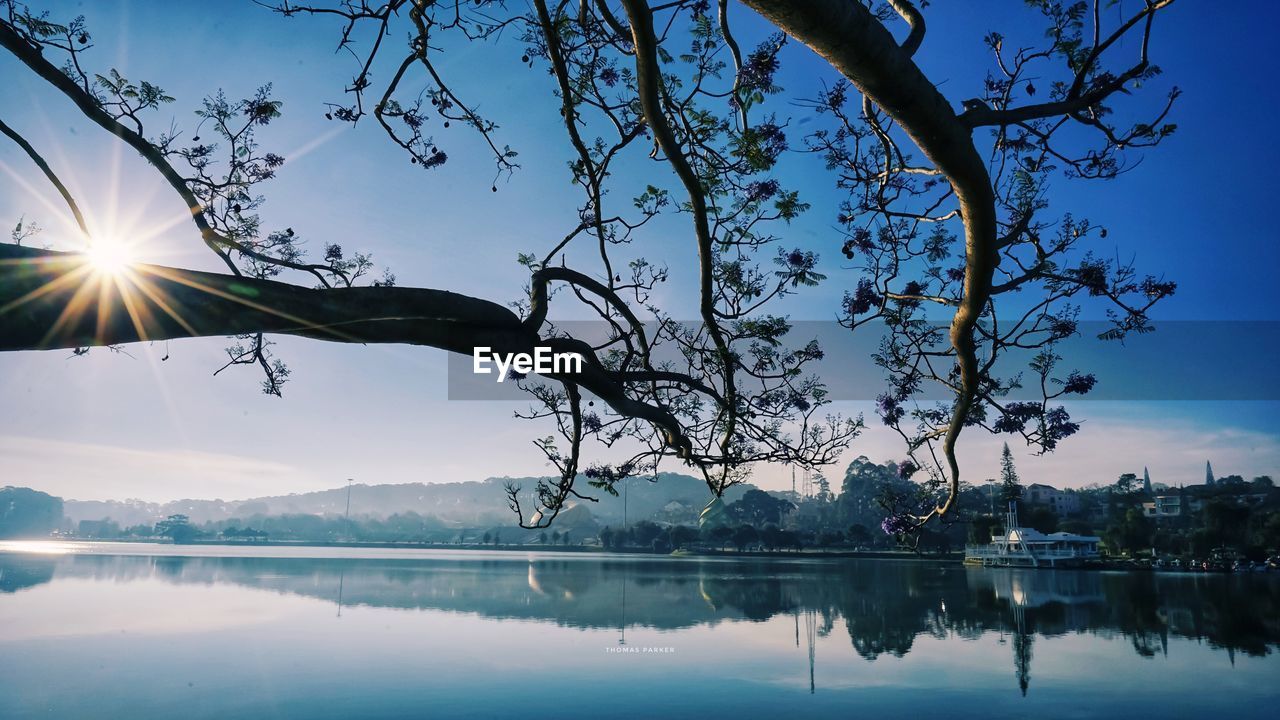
x: 1063, y: 503
x: 1024, y: 547
x: 1164, y: 506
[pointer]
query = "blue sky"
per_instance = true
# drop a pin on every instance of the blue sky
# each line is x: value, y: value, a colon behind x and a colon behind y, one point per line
x: 1197, y: 210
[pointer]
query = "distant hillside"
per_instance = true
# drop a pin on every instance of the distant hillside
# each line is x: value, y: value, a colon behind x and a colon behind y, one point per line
x: 456, y: 503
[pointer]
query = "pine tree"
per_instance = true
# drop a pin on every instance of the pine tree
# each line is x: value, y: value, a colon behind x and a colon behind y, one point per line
x: 824, y: 488
x: 1010, y: 488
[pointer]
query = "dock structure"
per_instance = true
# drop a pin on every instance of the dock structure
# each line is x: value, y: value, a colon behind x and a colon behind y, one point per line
x: 1026, y: 547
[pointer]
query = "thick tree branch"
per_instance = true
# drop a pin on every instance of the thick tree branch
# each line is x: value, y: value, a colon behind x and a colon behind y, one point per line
x: 848, y: 36
x: 912, y: 15
x: 648, y: 85
x: 57, y: 300
x: 981, y: 115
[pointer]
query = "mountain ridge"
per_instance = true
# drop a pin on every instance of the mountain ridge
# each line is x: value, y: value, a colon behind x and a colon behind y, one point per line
x: 469, y: 502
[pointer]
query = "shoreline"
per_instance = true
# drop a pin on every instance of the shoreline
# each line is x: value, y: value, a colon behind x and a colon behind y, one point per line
x: 953, y: 558
x: 568, y: 549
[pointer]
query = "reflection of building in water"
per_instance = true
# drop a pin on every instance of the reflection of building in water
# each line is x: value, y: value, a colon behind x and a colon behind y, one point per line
x: 1035, y: 589
x: 811, y: 636
x: 342, y: 575
x: 1022, y: 641
x: 622, y: 623
x: 811, y: 633
x: 1072, y: 594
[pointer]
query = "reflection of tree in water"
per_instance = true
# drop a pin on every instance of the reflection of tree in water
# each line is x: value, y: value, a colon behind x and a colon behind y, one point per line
x: 1233, y: 613
x: 757, y: 599
x: 1145, y: 624
x: 885, y: 606
x: 23, y: 571
x: 1022, y: 641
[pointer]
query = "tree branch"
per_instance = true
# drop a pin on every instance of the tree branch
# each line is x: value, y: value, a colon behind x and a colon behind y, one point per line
x: 912, y: 15
x: 48, y: 173
x: 53, y: 300
x: 32, y: 56
x: 648, y: 85
x: 848, y: 36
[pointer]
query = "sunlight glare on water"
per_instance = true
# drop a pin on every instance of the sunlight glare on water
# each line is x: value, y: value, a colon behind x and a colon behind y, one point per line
x: 42, y: 547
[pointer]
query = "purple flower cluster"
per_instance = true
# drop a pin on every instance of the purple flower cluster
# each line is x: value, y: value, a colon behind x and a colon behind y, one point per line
x: 890, y: 411
x: 761, y: 190
x: 864, y: 297
x: 860, y: 241
x: 1016, y: 415
x: 896, y: 525
x: 773, y: 141
x: 757, y: 72
x: 1057, y: 426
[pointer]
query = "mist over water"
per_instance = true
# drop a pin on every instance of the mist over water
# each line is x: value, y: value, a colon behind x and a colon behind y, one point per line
x: 343, y: 633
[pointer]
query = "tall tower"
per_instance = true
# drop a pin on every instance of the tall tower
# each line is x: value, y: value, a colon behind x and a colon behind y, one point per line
x: 1146, y: 481
x: 1208, y: 473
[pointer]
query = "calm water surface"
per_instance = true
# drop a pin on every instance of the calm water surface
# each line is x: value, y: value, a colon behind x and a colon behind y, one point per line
x: 141, y: 631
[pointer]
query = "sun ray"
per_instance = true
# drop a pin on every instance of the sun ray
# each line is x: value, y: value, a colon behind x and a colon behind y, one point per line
x: 104, y: 283
x: 51, y: 286
x: 137, y: 315
x: 157, y: 296
x: 74, y: 309
x: 320, y: 140
x: 217, y: 292
x: 59, y: 210
x: 177, y: 420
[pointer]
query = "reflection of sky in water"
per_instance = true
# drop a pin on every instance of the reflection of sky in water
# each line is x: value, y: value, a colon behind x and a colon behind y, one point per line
x: 489, y: 635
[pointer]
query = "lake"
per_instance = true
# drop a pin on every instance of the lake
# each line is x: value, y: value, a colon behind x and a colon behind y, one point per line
x: 105, y: 630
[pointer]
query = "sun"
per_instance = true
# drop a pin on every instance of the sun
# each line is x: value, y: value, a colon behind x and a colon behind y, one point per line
x: 109, y: 255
